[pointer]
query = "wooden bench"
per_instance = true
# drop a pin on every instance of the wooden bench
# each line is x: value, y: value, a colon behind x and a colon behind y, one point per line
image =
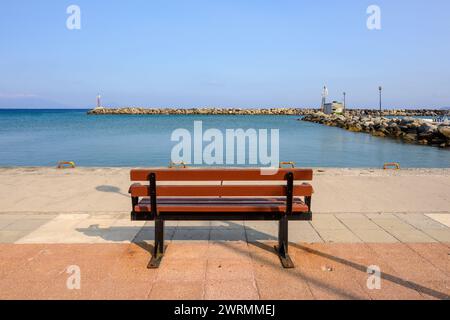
x: 221, y: 194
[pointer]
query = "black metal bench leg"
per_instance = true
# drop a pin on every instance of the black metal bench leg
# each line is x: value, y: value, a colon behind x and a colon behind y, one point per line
x: 282, y: 248
x: 158, y: 252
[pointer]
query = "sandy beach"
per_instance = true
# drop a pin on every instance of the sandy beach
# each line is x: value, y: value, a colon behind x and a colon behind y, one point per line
x: 336, y: 190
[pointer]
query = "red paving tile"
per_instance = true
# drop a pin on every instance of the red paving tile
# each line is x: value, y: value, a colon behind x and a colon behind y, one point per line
x: 21, y: 289
x: 228, y: 269
x: 182, y: 270
x: 132, y: 265
x: 231, y: 290
x: 229, y: 250
x: 112, y: 289
x: 442, y: 287
x: 187, y: 251
x: 275, y: 283
x: 225, y: 270
x: 407, y: 262
x: 438, y: 255
x: 263, y: 254
x: 177, y: 290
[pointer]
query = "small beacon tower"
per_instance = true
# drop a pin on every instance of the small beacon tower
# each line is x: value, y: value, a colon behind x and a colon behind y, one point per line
x: 99, y: 101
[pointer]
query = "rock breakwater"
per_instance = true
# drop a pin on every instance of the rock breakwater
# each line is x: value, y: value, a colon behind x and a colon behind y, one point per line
x: 201, y: 111
x: 411, y: 130
x: 255, y: 111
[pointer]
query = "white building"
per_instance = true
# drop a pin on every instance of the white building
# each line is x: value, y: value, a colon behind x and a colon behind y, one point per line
x: 333, y: 107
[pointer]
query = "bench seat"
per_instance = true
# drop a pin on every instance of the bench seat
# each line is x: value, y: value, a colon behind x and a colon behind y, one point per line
x: 220, y: 205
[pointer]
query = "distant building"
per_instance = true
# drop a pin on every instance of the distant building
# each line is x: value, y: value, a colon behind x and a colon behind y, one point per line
x: 333, y: 107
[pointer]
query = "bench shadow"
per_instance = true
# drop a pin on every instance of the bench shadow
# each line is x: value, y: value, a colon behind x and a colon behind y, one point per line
x: 173, y: 233
x: 361, y: 268
x: 111, y: 189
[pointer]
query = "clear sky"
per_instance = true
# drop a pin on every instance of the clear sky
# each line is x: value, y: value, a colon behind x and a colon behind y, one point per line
x: 243, y: 53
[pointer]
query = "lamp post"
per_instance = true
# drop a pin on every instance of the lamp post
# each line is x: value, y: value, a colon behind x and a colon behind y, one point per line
x: 344, y: 100
x: 380, y: 89
x: 324, y: 98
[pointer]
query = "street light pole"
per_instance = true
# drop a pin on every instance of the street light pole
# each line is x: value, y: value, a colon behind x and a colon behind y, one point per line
x: 380, y: 89
x: 344, y: 102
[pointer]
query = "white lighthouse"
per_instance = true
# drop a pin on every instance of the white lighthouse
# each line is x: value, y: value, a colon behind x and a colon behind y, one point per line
x: 99, y: 101
x: 324, y: 98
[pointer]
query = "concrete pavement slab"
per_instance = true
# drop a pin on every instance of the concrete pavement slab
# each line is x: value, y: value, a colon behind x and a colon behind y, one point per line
x: 439, y: 235
x: 411, y: 236
x: 327, y: 222
x: 374, y: 236
x: 26, y: 225
x: 443, y: 218
x: 191, y: 235
x: 421, y: 221
x: 5, y: 222
x: 147, y: 234
x: 357, y: 221
x: 338, y: 236
x: 228, y: 234
x: 7, y: 236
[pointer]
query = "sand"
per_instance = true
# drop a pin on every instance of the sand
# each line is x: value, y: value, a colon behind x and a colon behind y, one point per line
x: 97, y: 190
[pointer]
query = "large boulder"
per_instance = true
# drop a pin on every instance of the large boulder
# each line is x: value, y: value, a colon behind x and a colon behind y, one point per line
x: 410, y: 137
x: 407, y: 120
x: 445, y: 131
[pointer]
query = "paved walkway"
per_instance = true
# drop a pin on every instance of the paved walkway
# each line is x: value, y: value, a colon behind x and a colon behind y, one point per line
x: 78, y: 222
x: 224, y: 260
x: 329, y: 228
x: 224, y: 270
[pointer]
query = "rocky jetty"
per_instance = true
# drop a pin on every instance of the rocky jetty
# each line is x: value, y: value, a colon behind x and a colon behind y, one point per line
x: 200, y: 111
x: 411, y: 130
x: 257, y: 111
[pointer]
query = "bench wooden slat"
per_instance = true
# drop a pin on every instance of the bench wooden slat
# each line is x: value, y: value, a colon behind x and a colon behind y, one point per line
x: 246, y: 200
x: 217, y: 207
x: 218, y: 174
x: 220, y: 191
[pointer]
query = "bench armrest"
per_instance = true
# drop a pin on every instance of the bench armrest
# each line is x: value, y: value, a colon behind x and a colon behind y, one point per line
x: 308, y: 185
x: 133, y: 186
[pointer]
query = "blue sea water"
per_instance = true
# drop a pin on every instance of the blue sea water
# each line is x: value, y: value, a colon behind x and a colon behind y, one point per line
x: 44, y: 137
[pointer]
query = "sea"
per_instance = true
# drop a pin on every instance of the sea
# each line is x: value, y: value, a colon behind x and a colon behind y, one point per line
x: 30, y: 138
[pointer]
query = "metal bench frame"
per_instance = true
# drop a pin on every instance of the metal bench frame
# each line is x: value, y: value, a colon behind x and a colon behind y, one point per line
x: 282, y: 218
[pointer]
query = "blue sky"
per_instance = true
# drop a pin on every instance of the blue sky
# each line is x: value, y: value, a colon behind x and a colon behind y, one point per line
x: 243, y: 53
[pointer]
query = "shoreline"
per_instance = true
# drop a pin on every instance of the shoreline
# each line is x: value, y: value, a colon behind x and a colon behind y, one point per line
x: 322, y: 171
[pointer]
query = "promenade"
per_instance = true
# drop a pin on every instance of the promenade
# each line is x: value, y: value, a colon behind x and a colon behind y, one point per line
x: 53, y: 219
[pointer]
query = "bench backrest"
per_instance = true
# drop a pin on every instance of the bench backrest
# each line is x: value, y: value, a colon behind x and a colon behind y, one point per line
x: 219, y: 175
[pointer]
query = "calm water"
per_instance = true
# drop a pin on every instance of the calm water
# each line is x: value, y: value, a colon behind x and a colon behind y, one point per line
x: 43, y: 137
